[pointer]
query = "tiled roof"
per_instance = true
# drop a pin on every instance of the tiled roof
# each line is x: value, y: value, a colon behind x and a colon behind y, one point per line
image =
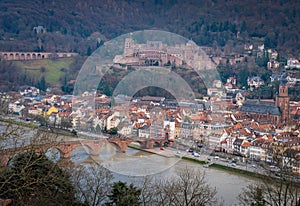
x: 258, y: 106
x: 246, y: 144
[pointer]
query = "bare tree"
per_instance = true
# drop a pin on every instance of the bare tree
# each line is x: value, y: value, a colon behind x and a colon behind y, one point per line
x: 10, y: 135
x: 279, y: 187
x: 92, y: 183
x: 188, y: 188
x: 270, y: 192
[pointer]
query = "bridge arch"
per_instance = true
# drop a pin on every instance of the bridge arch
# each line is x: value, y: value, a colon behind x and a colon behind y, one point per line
x: 22, y: 56
x: 140, y: 142
x: 85, y: 147
x: 17, y: 56
x: 53, y: 156
x: 156, y: 144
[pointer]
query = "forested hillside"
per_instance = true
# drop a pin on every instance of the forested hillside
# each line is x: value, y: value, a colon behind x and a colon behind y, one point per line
x: 78, y: 26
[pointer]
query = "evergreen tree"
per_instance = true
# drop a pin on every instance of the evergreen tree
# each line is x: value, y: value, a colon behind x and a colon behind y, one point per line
x: 123, y: 195
x: 32, y: 179
x: 42, y: 84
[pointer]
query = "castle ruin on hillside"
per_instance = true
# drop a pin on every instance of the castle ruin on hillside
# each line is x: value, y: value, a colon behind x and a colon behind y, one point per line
x: 156, y: 53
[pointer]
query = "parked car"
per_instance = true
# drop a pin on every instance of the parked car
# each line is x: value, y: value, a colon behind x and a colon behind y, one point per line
x: 216, y: 157
x: 196, y: 154
x: 274, y: 168
x: 190, y: 150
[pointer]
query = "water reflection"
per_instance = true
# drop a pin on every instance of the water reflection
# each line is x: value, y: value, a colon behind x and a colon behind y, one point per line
x: 133, y: 162
x: 79, y: 154
x: 107, y: 151
x: 53, y: 154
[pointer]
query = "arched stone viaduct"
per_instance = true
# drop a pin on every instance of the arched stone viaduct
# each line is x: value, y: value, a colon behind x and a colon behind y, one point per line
x: 11, y: 56
x: 94, y: 147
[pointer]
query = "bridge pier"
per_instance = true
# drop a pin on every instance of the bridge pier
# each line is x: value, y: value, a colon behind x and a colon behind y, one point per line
x: 123, y: 146
x: 95, y: 147
x: 144, y: 144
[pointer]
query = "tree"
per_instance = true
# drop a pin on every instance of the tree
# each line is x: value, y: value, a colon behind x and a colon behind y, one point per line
x: 92, y: 184
x: 89, y: 51
x: 243, y: 27
x: 270, y: 192
x: 43, y: 69
x: 113, y: 131
x: 225, y: 71
x: 242, y: 76
x: 66, y: 123
x: 107, y: 90
x: 42, y: 84
x: 189, y: 188
x: 252, y: 195
x: 32, y: 179
x: 278, y: 187
x: 98, y: 129
x: 122, y: 195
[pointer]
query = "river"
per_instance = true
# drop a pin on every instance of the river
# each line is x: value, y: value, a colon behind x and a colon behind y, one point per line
x: 134, y: 165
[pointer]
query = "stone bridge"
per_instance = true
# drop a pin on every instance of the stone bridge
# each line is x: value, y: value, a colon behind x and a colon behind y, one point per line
x: 94, y: 147
x: 122, y: 144
x: 10, y: 56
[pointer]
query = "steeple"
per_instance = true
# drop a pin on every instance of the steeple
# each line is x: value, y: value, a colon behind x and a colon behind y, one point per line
x: 283, y: 99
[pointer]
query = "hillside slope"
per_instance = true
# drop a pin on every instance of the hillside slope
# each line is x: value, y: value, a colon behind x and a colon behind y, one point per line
x: 77, y: 25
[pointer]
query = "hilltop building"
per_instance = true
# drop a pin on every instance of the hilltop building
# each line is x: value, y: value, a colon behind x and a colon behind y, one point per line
x: 156, y: 53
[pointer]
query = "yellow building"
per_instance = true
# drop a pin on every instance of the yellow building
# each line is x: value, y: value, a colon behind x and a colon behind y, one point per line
x: 51, y: 110
x: 177, y: 132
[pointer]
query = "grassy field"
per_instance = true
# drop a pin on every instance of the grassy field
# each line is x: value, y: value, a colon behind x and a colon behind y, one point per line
x: 52, y: 70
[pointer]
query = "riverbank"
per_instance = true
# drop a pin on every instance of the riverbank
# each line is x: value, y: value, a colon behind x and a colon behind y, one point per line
x: 214, y: 165
x: 31, y: 125
x: 24, y: 124
x: 227, y: 168
x: 163, y: 153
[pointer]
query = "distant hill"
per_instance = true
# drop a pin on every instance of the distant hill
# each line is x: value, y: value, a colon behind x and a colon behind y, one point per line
x: 81, y: 26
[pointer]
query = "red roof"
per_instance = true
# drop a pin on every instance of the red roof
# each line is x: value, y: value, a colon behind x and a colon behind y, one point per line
x: 246, y: 144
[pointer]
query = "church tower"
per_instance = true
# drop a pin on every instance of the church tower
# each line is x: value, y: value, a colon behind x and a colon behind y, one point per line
x: 283, y: 101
